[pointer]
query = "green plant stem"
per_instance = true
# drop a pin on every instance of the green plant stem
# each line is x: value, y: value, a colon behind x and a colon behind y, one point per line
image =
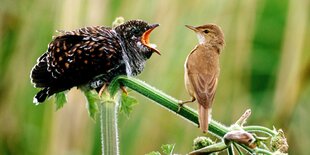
x: 230, y: 150
x: 262, y: 151
x: 166, y: 101
x: 237, y: 148
x: 109, y: 129
x: 259, y: 129
x: 171, y: 104
x: 209, y: 149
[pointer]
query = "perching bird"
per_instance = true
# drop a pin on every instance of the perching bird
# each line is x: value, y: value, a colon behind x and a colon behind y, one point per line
x: 92, y: 56
x: 202, y: 70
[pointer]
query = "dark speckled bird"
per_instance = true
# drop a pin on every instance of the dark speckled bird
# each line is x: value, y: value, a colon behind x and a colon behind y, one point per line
x: 92, y: 56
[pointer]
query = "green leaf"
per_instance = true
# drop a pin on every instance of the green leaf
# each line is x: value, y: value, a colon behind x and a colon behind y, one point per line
x: 60, y: 100
x: 114, y: 87
x: 167, y: 148
x: 92, y: 103
x: 127, y: 103
x: 153, y: 153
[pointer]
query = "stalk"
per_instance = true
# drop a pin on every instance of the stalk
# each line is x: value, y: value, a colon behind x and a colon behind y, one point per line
x: 166, y: 101
x: 109, y: 129
x: 171, y: 104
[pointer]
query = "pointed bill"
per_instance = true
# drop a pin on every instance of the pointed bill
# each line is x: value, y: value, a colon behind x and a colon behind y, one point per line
x: 192, y: 28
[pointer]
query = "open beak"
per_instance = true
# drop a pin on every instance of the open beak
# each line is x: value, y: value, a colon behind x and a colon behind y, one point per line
x: 145, y: 39
x: 192, y: 28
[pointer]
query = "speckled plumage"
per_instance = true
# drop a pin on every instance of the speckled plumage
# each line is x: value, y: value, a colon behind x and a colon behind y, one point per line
x: 91, y: 56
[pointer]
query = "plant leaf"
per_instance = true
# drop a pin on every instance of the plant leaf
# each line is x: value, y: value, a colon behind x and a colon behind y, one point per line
x: 92, y: 103
x: 114, y: 87
x: 60, y: 100
x: 168, y: 148
x: 127, y: 103
x: 153, y: 153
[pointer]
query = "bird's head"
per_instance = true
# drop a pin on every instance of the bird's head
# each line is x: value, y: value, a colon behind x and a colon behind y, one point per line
x: 136, y: 36
x: 209, y: 33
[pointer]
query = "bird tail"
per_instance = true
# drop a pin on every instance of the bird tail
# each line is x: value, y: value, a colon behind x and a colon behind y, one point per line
x: 46, y: 92
x: 39, y: 75
x: 204, y: 117
x: 42, y: 78
x: 41, y: 96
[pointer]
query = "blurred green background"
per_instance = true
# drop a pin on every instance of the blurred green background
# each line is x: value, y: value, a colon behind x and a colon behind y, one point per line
x: 265, y: 66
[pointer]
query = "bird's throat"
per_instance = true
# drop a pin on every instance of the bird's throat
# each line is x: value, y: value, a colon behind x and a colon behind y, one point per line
x: 201, y: 38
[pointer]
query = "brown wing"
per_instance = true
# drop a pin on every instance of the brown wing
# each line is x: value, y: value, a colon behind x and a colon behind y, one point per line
x: 204, y: 87
x: 203, y: 70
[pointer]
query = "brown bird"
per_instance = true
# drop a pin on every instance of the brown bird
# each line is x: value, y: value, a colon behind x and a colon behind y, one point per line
x: 202, y: 70
x: 92, y: 57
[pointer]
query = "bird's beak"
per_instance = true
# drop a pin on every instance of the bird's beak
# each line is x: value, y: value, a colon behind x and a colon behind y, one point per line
x: 154, y: 25
x: 145, y: 39
x: 192, y: 28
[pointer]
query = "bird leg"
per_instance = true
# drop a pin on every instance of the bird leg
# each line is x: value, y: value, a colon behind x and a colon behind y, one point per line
x: 181, y: 103
x: 104, y: 86
x: 124, y: 89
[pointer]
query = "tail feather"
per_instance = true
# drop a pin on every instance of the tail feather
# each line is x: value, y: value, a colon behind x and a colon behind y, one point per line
x: 204, y: 117
x: 46, y: 92
x: 40, y: 76
x: 41, y: 96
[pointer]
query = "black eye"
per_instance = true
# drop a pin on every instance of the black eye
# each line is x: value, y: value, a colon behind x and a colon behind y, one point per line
x: 206, y: 31
x: 135, y: 31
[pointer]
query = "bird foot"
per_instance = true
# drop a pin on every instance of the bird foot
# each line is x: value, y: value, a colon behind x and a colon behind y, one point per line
x: 102, y: 89
x: 181, y: 103
x: 187, y: 101
x: 124, y: 89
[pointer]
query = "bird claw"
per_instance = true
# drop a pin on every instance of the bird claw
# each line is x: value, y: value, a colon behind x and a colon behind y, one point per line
x: 124, y: 89
x: 187, y: 101
x: 102, y: 89
x: 180, y: 106
x: 181, y: 103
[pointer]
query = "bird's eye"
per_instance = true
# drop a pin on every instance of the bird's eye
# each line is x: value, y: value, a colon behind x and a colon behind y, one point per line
x: 135, y: 31
x: 206, y: 31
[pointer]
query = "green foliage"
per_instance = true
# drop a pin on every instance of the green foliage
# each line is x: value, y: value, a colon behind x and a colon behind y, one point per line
x: 168, y: 149
x: 60, y: 100
x: 114, y: 87
x: 92, y: 103
x: 201, y: 142
x: 153, y: 153
x: 127, y: 104
x: 279, y: 142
